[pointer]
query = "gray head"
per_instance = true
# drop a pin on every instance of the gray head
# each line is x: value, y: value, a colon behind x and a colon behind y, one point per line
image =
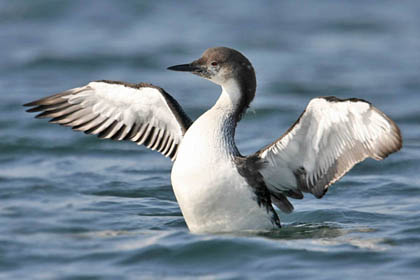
x: 223, y: 65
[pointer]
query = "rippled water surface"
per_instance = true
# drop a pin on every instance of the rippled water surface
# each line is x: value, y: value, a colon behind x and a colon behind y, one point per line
x: 76, y: 207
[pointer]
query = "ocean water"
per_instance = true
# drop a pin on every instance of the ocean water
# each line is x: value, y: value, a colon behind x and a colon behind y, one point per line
x: 76, y: 207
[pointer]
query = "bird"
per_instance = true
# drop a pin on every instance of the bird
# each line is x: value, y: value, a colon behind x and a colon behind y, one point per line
x: 217, y: 188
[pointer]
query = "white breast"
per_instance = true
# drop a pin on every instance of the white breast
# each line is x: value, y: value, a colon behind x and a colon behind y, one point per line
x: 212, y: 195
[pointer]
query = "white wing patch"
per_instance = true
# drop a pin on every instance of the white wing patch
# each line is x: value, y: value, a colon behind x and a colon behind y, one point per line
x: 330, y: 137
x: 142, y: 113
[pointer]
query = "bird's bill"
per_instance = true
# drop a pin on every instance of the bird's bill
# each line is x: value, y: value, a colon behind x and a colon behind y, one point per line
x: 184, y: 68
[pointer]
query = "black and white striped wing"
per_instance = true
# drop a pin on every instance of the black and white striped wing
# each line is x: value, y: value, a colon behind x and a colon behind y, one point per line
x: 329, y: 138
x: 141, y: 113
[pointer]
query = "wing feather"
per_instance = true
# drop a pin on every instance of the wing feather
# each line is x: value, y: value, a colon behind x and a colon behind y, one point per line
x: 328, y: 139
x: 141, y: 113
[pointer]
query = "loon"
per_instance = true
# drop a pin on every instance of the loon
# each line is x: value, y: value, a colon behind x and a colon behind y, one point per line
x: 219, y: 189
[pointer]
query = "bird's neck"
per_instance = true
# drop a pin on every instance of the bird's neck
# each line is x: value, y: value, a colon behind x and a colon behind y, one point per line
x: 232, y: 101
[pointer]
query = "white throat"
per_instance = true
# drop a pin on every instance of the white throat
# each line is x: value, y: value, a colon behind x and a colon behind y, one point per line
x: 230, y: 97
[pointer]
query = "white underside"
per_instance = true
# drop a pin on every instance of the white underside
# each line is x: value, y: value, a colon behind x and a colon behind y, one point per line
x: 212, y: 195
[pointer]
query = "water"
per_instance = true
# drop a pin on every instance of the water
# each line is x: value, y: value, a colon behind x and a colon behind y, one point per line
x: 76, y: 207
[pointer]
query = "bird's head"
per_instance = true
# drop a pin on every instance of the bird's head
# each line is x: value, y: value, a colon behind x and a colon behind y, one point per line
x: 223, y: 65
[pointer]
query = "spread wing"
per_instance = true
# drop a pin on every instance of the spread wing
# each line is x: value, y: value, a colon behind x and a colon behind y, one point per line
x: 329, y: 138
x: 141, y: 113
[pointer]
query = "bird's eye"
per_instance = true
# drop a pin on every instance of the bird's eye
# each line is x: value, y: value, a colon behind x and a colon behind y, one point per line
x: 214, y: 63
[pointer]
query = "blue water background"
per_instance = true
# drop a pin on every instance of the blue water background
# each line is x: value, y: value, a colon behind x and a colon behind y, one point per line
x: 76, y: 207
